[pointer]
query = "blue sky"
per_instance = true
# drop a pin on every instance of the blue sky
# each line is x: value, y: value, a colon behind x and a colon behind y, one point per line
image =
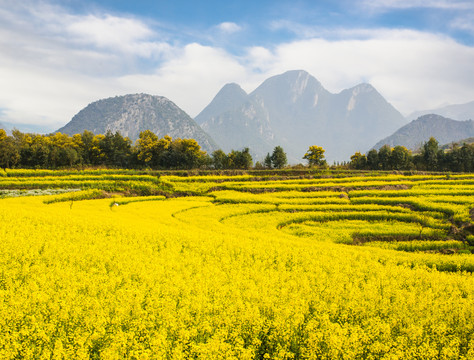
x: 58, y: 56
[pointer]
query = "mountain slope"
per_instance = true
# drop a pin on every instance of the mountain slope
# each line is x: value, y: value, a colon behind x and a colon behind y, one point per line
x: 455, y: 112
x: 131, y: 114
x: 228, y: 98
x: 417, y: 132
x: 295, y: 111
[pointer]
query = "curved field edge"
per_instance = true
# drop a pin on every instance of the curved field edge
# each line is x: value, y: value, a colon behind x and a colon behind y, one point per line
x: 196, y: 278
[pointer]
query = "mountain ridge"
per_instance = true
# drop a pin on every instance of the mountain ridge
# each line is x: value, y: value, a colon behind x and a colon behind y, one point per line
x: 418, y: 131
x: 230, y: 96
x: 295, y: 111
x: 133, y: 113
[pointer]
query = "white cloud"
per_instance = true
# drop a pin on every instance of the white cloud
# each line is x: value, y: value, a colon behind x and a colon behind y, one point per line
x: 464, y: 22
x: 412, y: 70
x: 191, y: 78
x: 108, y: 30
x: 46, y: 28
x: 53, y: 63
x: 114, y: 33
x: 229, y: 27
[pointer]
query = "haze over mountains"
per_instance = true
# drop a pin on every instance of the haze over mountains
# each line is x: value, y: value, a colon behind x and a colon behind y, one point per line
x: 455, y: 112
x: 295, y: 111
x: 417, y: 132
x: 292, y: 110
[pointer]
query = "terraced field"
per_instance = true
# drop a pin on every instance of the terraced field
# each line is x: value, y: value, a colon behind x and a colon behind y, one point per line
x: 251, y: 266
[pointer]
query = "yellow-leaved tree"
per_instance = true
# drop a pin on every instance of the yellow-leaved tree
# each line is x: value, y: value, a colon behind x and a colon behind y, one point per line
x: 315, y: 155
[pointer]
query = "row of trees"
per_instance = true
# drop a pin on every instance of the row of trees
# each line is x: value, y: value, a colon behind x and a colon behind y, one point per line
x: 61, y: 150
x: 86, y: 149
x: 278, y: 159
x: 58, y: 150
x: 430, y: 158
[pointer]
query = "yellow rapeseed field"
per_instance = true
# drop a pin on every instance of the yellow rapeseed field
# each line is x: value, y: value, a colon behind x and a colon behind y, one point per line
x: 229, y: 274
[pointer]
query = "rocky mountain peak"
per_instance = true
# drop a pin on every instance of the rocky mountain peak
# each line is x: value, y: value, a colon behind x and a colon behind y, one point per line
x: 229, y: 97
x: 294, y: 110
x: 363, y: 88
x: 294, y: 83
x: 133, y: 113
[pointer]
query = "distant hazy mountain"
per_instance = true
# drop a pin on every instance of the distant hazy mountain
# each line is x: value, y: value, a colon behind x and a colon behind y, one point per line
x: 455, y: 112
x: 295, y: 111
x: 28, y: 128
x: 461, y: 142
x: 230, y: 97
x: 131, y: 114
x: 417, y: 132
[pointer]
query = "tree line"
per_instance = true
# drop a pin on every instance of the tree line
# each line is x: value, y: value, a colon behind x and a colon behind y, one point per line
x: 23, y: 150
x: 431, y: 157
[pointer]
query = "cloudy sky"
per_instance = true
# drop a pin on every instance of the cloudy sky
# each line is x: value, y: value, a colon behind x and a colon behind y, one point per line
x: 57, y: 56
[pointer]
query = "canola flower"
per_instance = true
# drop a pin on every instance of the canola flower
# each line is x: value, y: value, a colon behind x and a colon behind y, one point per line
x: 199, y: 278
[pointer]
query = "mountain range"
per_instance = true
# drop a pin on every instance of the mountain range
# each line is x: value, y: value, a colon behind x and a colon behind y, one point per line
x: 295, y: 111
x: 292, y: 110
x: 417, y: 132
x: 131, y: 114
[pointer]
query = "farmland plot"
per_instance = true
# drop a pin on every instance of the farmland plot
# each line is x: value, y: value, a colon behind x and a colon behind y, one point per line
x: 374, y: 267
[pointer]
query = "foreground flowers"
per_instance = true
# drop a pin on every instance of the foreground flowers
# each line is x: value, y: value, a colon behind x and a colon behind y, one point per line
x: 232, y: 274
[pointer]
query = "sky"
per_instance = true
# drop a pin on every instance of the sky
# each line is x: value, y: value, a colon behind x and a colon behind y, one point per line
x: 57, y: 56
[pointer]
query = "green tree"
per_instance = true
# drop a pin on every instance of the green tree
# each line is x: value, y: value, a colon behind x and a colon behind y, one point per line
x: 122, y: 150
x: 40, y: 150
x: 64, y: 150
x: 315, y: 156
x: 240, y: 159
x: 85, y: 147
x: 22, y: 142
x: 385, y: 154
x: 219, y: 160
x: 68, y: 156
x: 268, y: 161
x: 116, y: 149
x: 373, y: 160
x: 184, y: 154
x: 278, y: 158
x: 9, y: 154
x: 400, y: 158
x: 431, y: 154
x: 467, y: 157
x: 460, y: 158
